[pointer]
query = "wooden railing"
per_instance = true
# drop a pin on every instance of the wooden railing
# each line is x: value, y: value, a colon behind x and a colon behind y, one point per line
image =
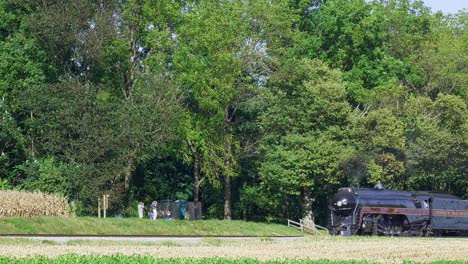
x: 314, y: 229
x: 297, y: 225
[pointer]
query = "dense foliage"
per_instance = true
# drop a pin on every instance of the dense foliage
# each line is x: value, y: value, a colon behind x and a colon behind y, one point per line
x: 258, y: 109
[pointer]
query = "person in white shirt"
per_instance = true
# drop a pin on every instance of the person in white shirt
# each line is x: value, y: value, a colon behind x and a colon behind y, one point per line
x: 154, y: 208
x: 141, y: 206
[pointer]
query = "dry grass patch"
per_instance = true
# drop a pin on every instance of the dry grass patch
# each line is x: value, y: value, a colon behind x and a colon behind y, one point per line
x: 30, y: 204
x: 385, y: 250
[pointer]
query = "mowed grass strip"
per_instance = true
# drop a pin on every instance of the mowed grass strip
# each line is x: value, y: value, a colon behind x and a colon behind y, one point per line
x: 134, y: 226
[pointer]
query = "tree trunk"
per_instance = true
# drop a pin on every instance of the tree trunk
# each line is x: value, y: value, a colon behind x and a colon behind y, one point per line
x: 227, y: 164
x: 285, y: 207
x: 33, y: 147
x: 196, y: 176
x: 308, y: 214
x: 128, y: 173
x: 196, y: 171
x: 227, y: 197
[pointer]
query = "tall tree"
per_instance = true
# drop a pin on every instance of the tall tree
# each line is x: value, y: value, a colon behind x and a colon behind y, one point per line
x: 305, y: 139
x: 442, y: 59
x: 436, y: 143
x: 12, y: 143
x: 209, y: 40
x: 381, y: 136
x: 222, y: 54
x: 22, y: 64
x: 99, y: 53
x: 370, y: 41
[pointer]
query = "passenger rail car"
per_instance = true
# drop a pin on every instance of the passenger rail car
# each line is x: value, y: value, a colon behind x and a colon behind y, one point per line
x: 356, y: 211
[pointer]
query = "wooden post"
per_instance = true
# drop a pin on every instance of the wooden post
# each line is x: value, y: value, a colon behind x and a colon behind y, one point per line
x: 99, y: 207
x: 104, y: 204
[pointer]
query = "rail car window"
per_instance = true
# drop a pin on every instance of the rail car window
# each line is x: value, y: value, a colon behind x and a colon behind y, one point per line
x: 417, y: 203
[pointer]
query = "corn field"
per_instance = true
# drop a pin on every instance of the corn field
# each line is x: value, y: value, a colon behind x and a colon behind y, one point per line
x: 30, y: 204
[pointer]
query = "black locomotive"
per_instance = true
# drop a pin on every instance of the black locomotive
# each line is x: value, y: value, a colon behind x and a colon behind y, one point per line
x: 356, y: 211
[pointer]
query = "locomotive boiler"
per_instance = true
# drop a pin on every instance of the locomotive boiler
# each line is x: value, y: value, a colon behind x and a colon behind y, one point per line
x: 358, y: 211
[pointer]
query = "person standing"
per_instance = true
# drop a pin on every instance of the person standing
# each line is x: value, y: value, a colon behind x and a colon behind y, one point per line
x: 141, y: 206
x: 154, y: 209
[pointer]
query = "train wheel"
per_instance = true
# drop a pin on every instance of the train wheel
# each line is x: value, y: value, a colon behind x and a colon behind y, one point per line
x: 405, y: 228
x: 429, y: 231
x: 375, y: 221
x: 426, y: 230
x: 378, y: 225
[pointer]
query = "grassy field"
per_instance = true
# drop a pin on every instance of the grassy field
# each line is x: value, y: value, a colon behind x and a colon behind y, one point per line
x: 150, y: 260
x: 133, y: 226
x: 308, y: 249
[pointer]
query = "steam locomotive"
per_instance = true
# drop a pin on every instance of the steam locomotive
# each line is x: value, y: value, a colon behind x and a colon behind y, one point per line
x: 356, y: 211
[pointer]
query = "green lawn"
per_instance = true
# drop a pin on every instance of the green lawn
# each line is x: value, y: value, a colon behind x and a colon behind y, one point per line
x: 133, y: 226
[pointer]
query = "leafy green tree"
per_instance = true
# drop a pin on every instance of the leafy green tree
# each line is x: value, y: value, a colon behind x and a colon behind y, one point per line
x: 442, y: 58
x: 209, y: 47
x: 20, y: 65
x: 406, y: 25
x: 381, y: 137
x: 103, y: 138
x: 370, y: 41
x: 53, y: 177
x: 21, y: 60
x: 222, y: 55
x: 72, y: 34
x: 305, y: 139
x: 211, y: 100
x: 437, y: 143
x: 12, y: 144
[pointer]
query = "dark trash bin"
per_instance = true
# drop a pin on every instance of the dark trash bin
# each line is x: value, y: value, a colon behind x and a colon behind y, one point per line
x: 182, y: 209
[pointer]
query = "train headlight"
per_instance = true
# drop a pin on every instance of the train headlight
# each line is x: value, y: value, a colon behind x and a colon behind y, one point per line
x: 339, y: 203
x: 345, y: 202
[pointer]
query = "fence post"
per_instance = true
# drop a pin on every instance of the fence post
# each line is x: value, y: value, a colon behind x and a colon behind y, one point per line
x: 104, y: 204
x: 99, y: 207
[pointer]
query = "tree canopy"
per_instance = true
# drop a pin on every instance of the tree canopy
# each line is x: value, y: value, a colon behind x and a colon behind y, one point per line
x: 258, y: 110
